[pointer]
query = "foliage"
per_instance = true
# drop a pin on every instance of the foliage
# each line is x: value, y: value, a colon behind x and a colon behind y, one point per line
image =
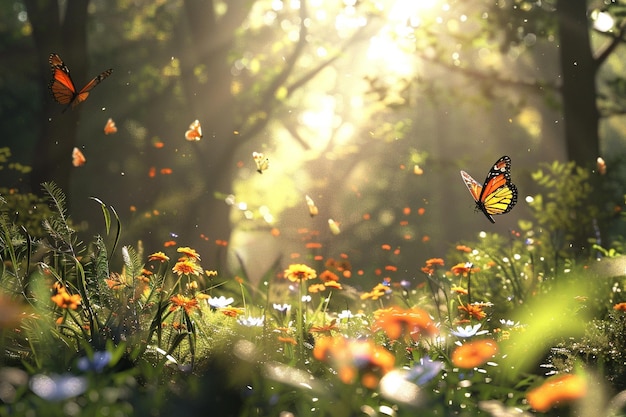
x: 156, y: 337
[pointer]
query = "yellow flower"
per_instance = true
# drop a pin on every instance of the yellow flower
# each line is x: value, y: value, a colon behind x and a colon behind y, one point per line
x: 333, y: 284
x: 158, y: 256
x: 299, y: 272
x: 315, y: 288
x: 189, y: 253
x: 378, y: 291
x: 187, y: 267
x: 459, y: 290
x: 231, y: 311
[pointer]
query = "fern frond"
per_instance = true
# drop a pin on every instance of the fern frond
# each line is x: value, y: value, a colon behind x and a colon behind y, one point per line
x: 132, y: 262
x: 57, y: 198
x: 57, y: 225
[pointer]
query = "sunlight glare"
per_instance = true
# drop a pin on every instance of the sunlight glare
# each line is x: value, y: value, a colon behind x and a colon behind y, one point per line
x: 387, y: 47
x: 602, y: 21
x: 408, y: 9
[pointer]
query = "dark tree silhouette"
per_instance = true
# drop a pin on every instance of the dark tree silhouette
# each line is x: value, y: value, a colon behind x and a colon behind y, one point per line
x: 66, y: 36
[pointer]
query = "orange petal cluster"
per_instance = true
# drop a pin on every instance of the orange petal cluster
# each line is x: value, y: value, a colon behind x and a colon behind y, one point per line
x: 472, y: 354
x: 397, y: 322
x: 556, y: 390
x: 355, y: 358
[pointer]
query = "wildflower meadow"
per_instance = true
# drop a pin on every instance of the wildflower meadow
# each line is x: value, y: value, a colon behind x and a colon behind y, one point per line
x: 509, y: 325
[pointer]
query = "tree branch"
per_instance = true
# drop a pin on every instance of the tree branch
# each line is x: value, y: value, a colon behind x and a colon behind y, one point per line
x: 616, y: 39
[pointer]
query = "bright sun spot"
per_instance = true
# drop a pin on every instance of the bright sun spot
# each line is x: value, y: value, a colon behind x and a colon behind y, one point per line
x: 602, y: 21
x: 409, y: 9
x: 387, y: 47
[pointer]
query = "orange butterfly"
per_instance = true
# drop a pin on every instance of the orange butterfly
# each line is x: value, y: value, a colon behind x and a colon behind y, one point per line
x: 78, y: 159
x: 62, y: 87
x: 194, y: 132
x: 110, y: 127
x: 498, y: 195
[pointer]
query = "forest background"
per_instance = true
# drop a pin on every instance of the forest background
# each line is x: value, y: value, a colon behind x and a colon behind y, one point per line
x: 371, y: 108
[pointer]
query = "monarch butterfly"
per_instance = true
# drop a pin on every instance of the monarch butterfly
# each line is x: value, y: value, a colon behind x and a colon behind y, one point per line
x: 109, y: 127
x: 498, y: 195
x: 62, y: 87
x: 194, y: 132
x: 262, y: 163
x: 78, y: 159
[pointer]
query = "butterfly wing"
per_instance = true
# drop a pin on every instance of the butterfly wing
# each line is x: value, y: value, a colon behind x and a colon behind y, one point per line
x: 262, y: 163
x: 78, y: 159
x: 63, y: 88
x: 498, y: 195
x: 195, y: 131
x: 473, y: 186
x: 109, y: 127
x: 84, y: 92
x: 61, y: 85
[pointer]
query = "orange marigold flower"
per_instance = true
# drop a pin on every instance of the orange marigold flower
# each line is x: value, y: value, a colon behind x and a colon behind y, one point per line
x: 427, y: 270
x: 463, y: 248
x: 396, y: 321
x: 158, y: 256
x: 299, y: 272
x: 473, y: 310
x: 556, y: 390
x: 464, y: 269
x: 187, y: 267
x: 180, y: 301
x: 473, y: 354
x: 189, y: 253
x: 620, y: 307
x: 434, y: 261
x: 63, y: 299
x: 328, y: 276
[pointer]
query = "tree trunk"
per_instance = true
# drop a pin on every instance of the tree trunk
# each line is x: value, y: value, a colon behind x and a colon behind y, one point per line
x: 578, y: 68
x: 67, y: 36
x: 208, y: 43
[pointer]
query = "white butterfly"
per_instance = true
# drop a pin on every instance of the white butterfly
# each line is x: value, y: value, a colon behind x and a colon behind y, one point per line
x: 262, y: 163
